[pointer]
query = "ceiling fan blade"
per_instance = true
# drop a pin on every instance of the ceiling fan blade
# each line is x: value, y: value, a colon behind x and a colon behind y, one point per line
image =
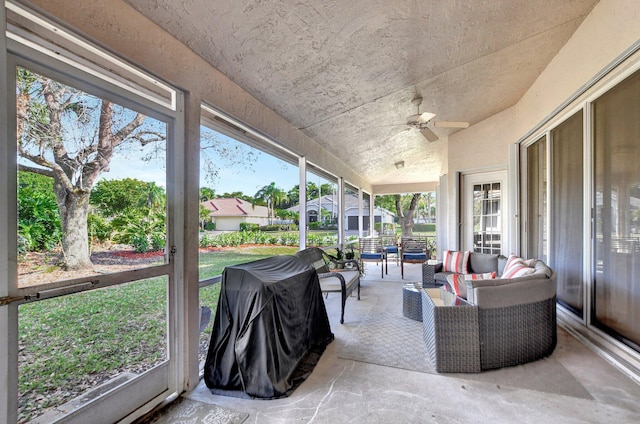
x: 450, y: 124
x: 428, y: 134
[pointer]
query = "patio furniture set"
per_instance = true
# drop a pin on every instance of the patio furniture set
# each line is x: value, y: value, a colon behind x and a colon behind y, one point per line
x: 505, y: 319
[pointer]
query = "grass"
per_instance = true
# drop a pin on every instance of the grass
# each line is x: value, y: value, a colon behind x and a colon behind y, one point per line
x: 70, y: 344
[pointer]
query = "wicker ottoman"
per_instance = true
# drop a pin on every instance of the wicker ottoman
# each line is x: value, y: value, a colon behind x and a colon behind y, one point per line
x: 450, y: 332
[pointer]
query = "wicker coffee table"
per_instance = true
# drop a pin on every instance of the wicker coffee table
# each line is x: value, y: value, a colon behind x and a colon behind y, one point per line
x: 450, y: 331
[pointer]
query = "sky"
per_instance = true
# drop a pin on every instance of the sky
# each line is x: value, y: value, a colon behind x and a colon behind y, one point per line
x: 265, y: 170
x: 247, y: 176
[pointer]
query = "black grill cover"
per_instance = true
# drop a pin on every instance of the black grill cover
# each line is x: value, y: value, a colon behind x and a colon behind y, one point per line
x: 270, y: 322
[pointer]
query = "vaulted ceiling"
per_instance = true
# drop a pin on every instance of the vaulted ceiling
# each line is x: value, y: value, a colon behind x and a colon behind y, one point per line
x: 345, y: 72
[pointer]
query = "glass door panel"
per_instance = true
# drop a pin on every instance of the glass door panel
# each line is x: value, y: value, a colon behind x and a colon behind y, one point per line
x: 567, y: 231
x: 487, y: 229
x: 536, y: 200
x: 73, y: 347
x: 616, y: 293
x: 91, y: 184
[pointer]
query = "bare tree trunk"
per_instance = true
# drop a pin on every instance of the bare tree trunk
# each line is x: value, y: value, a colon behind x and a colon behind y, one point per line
x: 75, y: 242
x: 406, y: 217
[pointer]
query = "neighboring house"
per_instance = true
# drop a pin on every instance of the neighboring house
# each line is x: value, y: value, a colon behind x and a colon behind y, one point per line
x: 228, y: 213
x: 329, y: 203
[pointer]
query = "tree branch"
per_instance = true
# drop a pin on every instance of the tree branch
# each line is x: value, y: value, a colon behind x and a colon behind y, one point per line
x: 34, y: 170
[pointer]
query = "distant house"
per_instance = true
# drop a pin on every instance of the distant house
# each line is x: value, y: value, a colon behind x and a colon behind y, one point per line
x: 329, y: 203
x: 228, y: 213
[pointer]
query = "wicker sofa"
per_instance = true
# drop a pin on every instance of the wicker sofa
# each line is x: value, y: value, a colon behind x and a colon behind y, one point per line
x: 516, y: 316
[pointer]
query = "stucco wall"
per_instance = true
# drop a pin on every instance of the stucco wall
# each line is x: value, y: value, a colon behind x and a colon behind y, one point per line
x: 612, y: 27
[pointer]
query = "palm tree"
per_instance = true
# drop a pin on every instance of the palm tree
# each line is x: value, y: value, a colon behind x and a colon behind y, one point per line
x: 207, y: 193
x: 153, y: 197
x: 272, y: 195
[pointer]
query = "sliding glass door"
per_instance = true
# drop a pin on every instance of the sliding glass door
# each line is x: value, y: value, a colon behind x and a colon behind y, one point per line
x: 567, y: 233
x: 616, y: 294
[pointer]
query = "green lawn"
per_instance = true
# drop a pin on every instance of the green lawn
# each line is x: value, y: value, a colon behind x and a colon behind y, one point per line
x: 70, y: 344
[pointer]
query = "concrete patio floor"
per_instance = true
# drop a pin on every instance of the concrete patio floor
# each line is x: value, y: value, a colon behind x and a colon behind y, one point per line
x: 341, y: 390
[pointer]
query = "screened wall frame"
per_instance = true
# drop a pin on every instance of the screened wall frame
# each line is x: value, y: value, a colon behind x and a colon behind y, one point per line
x: 40, y: 45
x: 224, y: 123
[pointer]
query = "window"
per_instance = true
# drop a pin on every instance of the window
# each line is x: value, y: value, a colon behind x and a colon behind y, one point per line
x: 487, y: 225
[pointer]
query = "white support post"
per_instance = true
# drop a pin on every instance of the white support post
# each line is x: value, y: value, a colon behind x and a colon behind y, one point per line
x: 302, y: 202
x: 372, y: 218
x: 341, y: 212
x: 360, y: 212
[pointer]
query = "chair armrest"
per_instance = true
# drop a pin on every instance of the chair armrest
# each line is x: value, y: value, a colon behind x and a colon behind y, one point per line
x: 334, y: 274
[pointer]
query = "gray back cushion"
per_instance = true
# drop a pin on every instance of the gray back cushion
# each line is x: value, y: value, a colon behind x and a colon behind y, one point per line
x: 483, y: 262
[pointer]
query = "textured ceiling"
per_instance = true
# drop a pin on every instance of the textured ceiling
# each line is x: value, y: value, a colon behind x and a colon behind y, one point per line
x: 345, y: 72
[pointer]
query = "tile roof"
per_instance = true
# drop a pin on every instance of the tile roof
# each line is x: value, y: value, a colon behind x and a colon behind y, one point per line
x: 234, y: 207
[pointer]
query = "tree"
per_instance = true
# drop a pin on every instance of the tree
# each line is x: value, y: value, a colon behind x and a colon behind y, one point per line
x: 272, y: 195
x: 218, y: 151
x: 294, y: 195
x: 405, y: 207
x: 112, y: 197
x: 153, y: 197
x: 207, y: 193
x: 71, y: 137
x: 205, y: 216
x: 405, y: 216
x: 312, y: 191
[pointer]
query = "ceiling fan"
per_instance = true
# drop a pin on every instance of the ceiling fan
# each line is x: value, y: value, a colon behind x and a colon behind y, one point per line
x: 422, y: 122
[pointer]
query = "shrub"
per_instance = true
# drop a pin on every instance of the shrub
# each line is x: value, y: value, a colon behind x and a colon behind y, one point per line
x: 270, y: 227
x: 157, y: 241
x: 210, y: 226
x: 140, y: 242
x: 424, y: 228
x: 99, y: 228
x: 314, y: 225
x: 248, y: 226
x: 290, y: 239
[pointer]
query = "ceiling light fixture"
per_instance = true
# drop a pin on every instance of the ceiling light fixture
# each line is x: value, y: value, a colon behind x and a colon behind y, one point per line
x: 399, y: 165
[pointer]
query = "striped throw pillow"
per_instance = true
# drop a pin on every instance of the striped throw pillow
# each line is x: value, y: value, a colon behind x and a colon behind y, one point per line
x: 454, y: 261
x: 516, y: 267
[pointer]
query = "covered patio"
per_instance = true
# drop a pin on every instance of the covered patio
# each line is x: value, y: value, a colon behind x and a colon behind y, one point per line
x: 531, y: 151
x: 574, y: 384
